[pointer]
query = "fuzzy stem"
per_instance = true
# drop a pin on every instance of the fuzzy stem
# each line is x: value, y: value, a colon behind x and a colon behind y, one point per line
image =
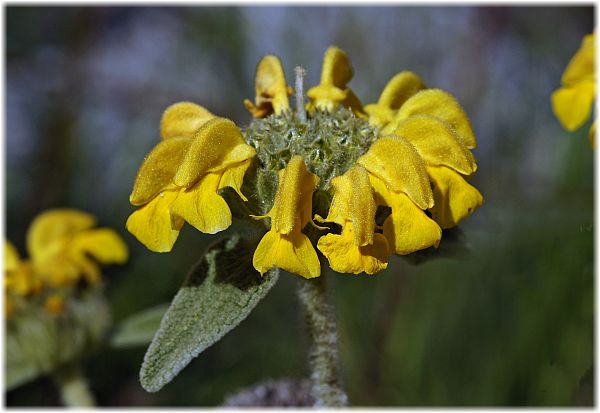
x: 322, y: 331
x: 300, y: 112
x: 73, y: 387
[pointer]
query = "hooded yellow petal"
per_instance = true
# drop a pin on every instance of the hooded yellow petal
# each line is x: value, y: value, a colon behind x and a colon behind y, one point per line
x: 437, y: 143
x: 408, y: 228
x: 573, y: 105
x: 345, y: 256
x: 202, y: 207
x: 292, y: 252
x: 158, y: 169
x: 395, y: 161
x: 353, y: 203
x: 292, y: 208
x: 439, y: 104
x: 396, y: 92
x: 337, y: 70
x: 103, y: 244
x: 455, y: 199
x: 183, y: 119
x: 153, y: 225
x: 52, y: 227
x: 333, y: 91
x: 12, y: 261
x: 209, y: 151
x: 272, y: 90
x: 582, y: 66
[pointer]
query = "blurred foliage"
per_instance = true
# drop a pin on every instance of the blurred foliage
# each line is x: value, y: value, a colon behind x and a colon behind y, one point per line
x: 510, y: 323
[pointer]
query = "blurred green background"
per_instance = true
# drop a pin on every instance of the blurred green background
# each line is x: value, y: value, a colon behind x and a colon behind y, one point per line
x: 509, y: 324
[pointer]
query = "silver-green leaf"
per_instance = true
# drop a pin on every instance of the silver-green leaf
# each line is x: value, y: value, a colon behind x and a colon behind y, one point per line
x: 220, y: 291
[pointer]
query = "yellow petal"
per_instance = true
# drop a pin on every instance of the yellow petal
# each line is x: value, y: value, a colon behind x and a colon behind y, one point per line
x: 103, y: 244
x: 396, y: 92
x: 53, y: 226
x: 353, y: 203
x: 581, y: 68
x: 234, y: 177
x: 437, y: 143
x: 292, y: 252
x: 152, y: 224
x: 336, y: 70
x: 272, y: 90
x: 209, y: 150
x: 183, y: 119
x: 455, y: 199
x: 395, y: 161
x: 592, y: 135
x: 333, y: 90
x: 11, y: 257
x: 238, y: 155
x: 202, y: 207
x: 325, y: 97
x: 346, y: 257
x: 572, y: 105
x: 158, y: 169
x: 439, y: 104
x: 408, y: 228
x: 292, y: 208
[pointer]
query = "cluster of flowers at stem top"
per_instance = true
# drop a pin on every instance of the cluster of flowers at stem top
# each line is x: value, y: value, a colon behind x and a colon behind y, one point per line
x: 63, y: 248
x: 408, y: 153
x: 572, y: 102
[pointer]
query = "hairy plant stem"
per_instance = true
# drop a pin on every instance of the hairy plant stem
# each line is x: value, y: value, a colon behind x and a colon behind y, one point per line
x: 324, y: 361
x: 73, y: 387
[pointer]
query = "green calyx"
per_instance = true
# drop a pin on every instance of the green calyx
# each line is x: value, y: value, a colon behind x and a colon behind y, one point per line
x: 329, y: 142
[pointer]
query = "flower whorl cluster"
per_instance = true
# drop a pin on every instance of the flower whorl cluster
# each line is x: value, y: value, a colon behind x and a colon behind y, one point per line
x: 409, y: 153
x: 63, y: 248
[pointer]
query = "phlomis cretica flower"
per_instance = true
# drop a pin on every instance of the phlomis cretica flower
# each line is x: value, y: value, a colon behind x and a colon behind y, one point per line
x: 320, y: 177
x: 64, y: 249
x: 572, y: 102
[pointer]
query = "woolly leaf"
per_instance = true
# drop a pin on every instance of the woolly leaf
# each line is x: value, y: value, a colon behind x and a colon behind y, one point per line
x: 139, y: 328
x: 220, y: 291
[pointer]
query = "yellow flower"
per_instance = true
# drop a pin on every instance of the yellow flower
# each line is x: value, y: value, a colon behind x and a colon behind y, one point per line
x: 62, y: 242
x: 333, y: 90
x: 284, y: 245
x: 358, y: 248
x: 408, y: 153
x: 572, y: 103
x: 271, y: 89
x: 19, y: 277
x: 181, y: 177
